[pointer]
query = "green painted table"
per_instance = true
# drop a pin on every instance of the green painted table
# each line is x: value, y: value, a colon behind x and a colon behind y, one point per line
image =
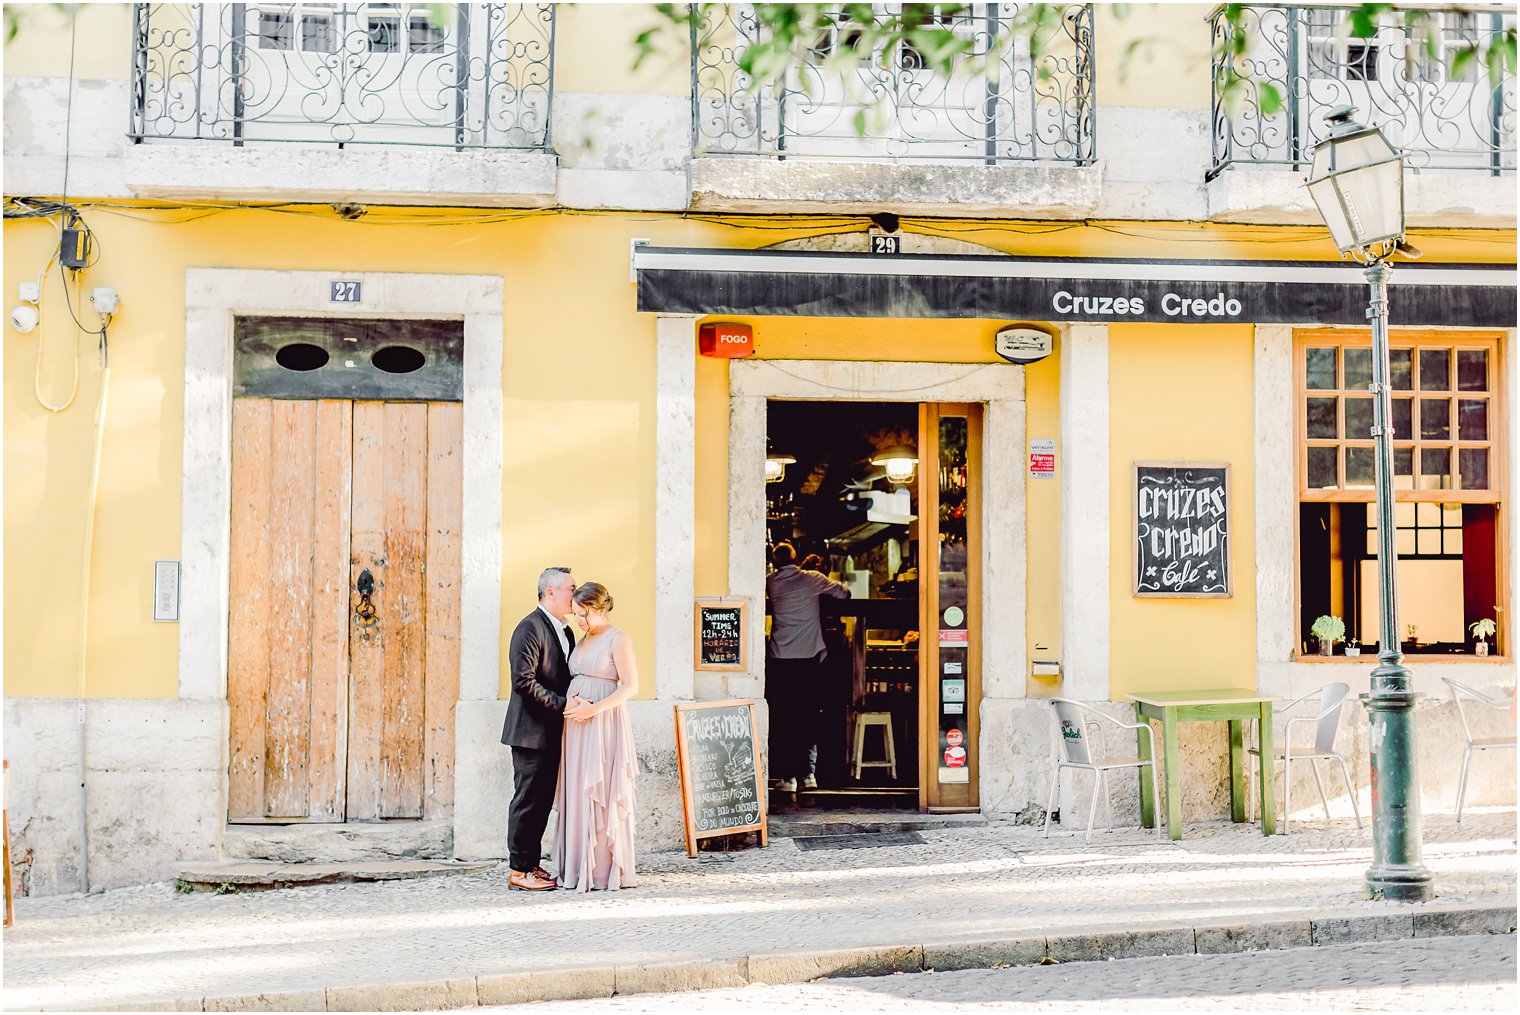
x: 1214, y: 705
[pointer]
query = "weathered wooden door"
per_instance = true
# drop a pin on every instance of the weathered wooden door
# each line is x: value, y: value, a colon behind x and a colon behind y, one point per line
x: 339, y: 711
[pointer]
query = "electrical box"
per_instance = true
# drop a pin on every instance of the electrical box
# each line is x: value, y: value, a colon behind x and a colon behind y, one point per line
x: 74, y: 251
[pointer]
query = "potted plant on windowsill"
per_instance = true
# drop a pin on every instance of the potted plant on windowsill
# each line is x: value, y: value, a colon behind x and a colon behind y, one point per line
x: 1353, y: 648
x: 1482, y: 630
x: 1328, y: 630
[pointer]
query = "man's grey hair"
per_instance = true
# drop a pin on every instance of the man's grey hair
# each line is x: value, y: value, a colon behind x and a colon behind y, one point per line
x: 551, y: 578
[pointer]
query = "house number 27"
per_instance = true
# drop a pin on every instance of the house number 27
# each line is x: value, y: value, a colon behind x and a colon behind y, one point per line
x: 345, y: 292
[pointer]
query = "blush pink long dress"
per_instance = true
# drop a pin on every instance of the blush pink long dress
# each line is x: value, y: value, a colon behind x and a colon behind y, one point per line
x: 593, y: 838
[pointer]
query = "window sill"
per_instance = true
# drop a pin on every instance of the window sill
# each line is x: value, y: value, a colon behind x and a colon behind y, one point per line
x: 1409, y: 660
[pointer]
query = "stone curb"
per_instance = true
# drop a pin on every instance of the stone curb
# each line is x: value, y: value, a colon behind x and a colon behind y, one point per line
x: 801, y: 965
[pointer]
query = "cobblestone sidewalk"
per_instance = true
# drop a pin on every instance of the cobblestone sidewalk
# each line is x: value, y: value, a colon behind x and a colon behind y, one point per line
x: 352, y: 945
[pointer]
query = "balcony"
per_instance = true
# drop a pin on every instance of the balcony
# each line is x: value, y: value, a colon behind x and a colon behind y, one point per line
x: 890, y: 131
x: 344, y: 74
x: 1451, y: 128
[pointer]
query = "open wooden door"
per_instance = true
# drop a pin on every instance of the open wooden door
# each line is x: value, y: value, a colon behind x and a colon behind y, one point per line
x: 950, y: 597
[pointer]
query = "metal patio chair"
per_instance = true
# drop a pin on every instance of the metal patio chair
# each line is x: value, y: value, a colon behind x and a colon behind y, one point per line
x: 1459, y: 692
x: 1326, y: 722
x: 1081, y: 749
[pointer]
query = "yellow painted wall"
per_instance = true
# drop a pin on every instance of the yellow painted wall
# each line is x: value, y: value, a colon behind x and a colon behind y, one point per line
x: 1152, y: 54
x: 1042, y: 386
x: 594, y: 50
x: 102, y: 44
x: 1181, y: 394
x: 578, y: 381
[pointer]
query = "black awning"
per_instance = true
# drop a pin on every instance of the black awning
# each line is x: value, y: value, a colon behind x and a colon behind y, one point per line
x: 821, y: 284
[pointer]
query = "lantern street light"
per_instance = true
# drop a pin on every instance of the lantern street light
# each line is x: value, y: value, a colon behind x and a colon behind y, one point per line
x: 775, y: 466
x: 1357, y: 181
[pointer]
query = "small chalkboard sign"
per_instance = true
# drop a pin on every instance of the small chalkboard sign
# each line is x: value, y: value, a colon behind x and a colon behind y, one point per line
x: 718, y: 756
x: 1182, y: 530
x: 722, y: 634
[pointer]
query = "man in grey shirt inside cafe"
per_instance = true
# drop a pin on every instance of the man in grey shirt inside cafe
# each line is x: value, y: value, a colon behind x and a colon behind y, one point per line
x: 793, y: 665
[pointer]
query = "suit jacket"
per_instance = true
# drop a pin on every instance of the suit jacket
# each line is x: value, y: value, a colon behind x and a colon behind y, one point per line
x: 540, y: 682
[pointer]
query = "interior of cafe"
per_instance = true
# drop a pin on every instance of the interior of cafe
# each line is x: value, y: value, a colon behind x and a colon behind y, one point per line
x: 842, y: 487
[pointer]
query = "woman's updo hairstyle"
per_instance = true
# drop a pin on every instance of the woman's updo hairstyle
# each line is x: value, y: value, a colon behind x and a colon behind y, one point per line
x: 594, y: 596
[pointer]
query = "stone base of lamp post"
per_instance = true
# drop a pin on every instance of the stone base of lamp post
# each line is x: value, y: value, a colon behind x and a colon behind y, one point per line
x: 1397, y: 873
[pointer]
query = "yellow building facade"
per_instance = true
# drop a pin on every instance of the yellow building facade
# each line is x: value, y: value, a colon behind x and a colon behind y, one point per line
x: 569, y: 277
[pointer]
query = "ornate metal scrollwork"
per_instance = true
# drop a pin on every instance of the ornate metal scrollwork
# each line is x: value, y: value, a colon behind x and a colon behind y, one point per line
x: 344, y: 74
x: 1004, y: 106
x: 1397, y: 83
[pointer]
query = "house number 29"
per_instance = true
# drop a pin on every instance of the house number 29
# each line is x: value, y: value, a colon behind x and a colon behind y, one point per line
x: 345, y: 292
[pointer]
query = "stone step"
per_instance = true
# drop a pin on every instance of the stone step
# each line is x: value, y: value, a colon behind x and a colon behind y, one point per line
x: 340, y: 843
x: 790, y: 826
x: 253, y: 875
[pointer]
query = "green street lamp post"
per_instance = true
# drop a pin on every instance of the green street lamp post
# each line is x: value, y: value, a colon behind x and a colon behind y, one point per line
x: 1357, y: 182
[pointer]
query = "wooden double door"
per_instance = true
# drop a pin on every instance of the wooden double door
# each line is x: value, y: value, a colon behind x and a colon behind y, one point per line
x: 343, y: 638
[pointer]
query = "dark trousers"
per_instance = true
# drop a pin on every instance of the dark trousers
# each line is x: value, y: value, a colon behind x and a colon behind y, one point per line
x: 535, y: 774
x: 793, y: 690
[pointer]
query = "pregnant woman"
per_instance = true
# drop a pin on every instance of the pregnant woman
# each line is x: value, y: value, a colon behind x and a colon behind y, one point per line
x: 593, y: 839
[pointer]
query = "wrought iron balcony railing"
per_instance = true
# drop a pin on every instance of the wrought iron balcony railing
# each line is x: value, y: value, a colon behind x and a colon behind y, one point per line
x: 344, y: 74
x: 1440, y: 120
x: 1004, y: 106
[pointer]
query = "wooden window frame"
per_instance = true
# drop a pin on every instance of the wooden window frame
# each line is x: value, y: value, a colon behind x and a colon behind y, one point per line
x: 1499, y: 455
x: 1342, y: 339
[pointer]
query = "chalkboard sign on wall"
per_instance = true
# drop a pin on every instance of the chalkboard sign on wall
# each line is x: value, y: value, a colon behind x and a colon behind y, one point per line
x: 722, y: 633
x: 718, y: 756
x: 1182, y: 530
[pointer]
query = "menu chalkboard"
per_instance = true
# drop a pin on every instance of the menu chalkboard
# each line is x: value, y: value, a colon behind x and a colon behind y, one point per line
x: 721, y: 633
x: 717, y: 754
x: 1182, y: 530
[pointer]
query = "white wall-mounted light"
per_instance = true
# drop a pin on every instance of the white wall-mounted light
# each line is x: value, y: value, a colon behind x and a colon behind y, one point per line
x: 24, y: 318
x: 900, y: 461
x: 775, y: 466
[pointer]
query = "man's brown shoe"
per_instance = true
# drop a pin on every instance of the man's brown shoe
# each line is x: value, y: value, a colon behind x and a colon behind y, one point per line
x: 545, y: 875
x: 529, y: 882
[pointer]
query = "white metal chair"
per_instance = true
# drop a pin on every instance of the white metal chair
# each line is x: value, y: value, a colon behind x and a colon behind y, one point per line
x: 1458, y: 692
x: 1332, y: 698
x: 1081, y: 749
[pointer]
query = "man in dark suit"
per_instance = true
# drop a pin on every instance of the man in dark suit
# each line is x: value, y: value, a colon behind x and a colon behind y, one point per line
x: 539, y: 659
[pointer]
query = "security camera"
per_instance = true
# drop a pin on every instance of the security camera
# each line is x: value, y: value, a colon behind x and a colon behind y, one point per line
x: 24, y: 318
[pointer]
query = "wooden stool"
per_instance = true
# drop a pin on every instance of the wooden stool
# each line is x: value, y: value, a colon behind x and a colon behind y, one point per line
x: 883, y: 720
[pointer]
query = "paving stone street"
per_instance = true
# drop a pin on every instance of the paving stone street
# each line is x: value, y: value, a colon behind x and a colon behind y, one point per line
x: 1429, y: 974
x: 151, y: 945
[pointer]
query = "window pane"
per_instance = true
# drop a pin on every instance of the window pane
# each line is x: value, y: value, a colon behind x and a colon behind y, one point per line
x: 275, y: 30
x: 1428, y: 514
x: 1320, y: 420
x: 1401, y: 369
x: 1403, y: 515
x: 1472, y: 369
x: 424, y: 36
x: 1403, y: 418
x: 1472, y: 419
x: 1358, y: 367
x: 1360, y: 468
x: 1435, y: 419
x: 317, y: 35
x: 1453, y: 541
x: 1403, y: 468
x: 1403, y: 542
x: 1474, y: 465
x: 1427, y: 541
x: 1322, y: 472
x: 1319, y: 369
x: 1435, y: 369
x: 1358, y: 418
x: 384, y: 34
x: 1435, y: 469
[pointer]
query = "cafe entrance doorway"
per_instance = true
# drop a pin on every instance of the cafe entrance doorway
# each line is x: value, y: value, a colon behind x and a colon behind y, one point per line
x: 883, y: 498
